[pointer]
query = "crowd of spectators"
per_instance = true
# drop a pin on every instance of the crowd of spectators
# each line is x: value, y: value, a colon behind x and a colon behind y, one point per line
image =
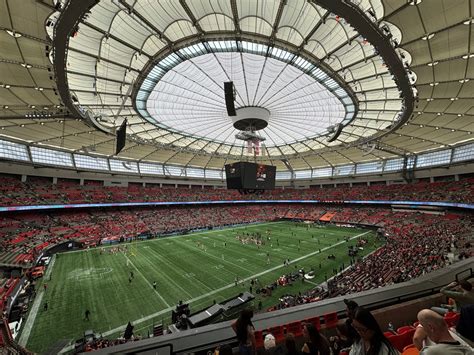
x: 415, y: 244
x: 24, y: 235
x: 41, y: 191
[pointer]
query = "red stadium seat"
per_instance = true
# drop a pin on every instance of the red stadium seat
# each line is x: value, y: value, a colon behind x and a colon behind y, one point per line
x: 278, y: 333
x: 404, y: 329
x: 295, y: 328
x: 452, y: 318
x: 316, y: 321
x: 259, y: 338
x: 399, y: 341
x: 388, y: 334
x: 330, y: 320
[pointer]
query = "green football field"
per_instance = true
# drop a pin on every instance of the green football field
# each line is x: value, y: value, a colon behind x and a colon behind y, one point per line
x: 197, y: 268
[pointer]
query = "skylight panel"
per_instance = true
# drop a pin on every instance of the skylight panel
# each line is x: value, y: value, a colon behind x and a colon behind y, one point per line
x: 89, y: 162
x: 123, y: 166
x: 463, y: 153
x: 213, y: 174
x: 322, y: 172
x: 12, y: 150
x: 51, y: 157
x: 152, y: 169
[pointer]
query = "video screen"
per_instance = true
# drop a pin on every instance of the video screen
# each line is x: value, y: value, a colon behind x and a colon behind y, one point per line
x: 244, y: 175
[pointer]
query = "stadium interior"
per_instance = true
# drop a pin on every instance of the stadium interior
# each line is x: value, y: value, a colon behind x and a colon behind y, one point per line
x: 140, y: 208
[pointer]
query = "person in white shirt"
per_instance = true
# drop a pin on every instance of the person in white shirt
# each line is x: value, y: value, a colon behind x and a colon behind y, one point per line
x: 437, y: 330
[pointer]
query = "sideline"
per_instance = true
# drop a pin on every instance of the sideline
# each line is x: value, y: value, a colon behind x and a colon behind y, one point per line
x: 156, y: 314
x: 25, y: 334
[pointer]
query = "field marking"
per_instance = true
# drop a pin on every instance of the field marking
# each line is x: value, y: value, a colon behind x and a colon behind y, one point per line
x: 148, y: 282
x: 163, y: 311
x: 217, y: 258
x: 168, y: 278
x: 88, y: 274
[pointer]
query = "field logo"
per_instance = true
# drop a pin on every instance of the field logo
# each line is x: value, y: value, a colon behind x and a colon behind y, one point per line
x: 89, y: 274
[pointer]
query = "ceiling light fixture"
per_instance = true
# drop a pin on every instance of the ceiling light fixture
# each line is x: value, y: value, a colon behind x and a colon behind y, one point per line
x: 436, y: 128
x: 427, y: 36
x: 432, y: 64
x: 5, y: 106
x: 469, y: 21
x: 467, y: 56
x: 462, y: 81
x: 429, y: 99
x: 14, y: 33
x: 25, y: 65
x: 414, y: 2
x: 434, y: 84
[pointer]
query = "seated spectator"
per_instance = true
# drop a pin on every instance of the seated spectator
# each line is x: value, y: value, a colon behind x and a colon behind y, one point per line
x: 438, y: 331
x: 463, y: 295
x: 245, y: 331
x: 290, y: 345
x: 351, y: 307
x: 445, y: 308
x: 372, y: 340
x: 225, y: 349
x: 341, y: 341
x: 317, y: 344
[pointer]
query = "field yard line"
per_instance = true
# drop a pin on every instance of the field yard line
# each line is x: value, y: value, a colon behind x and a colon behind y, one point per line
x: 149, y: 284
x: 257, y: 224
x: 156, y: 314
x: 25, y: 334
x: 311, y: 282
x: 170, y: 279
x: 222, y: 260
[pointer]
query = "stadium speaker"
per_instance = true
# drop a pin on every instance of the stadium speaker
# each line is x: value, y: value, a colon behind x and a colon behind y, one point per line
x: 121, y: 134
x: 229, y: 98
x: 335, y: 133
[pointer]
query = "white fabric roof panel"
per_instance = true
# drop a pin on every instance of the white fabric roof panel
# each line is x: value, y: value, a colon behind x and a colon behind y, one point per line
x: 292, y: 102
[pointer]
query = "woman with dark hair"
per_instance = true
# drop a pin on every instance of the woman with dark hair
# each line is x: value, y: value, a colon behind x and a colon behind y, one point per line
x: 317, y: 344
x: 290, y: 345
x: 372, y: 341
x: 245, y: 331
